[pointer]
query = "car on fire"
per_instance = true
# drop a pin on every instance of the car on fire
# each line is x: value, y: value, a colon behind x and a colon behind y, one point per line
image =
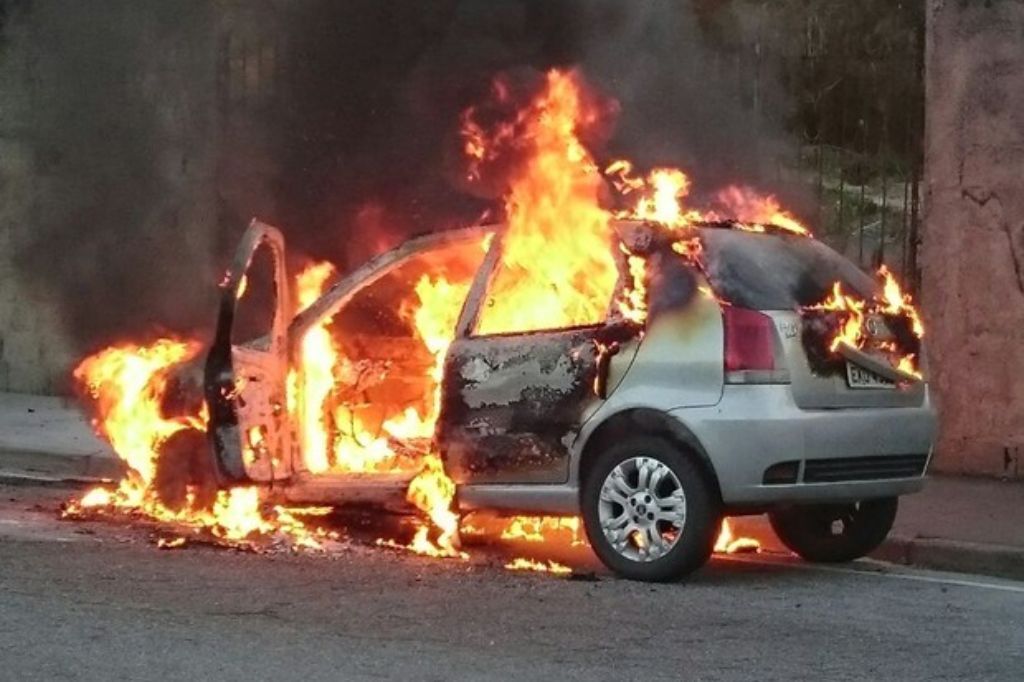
x: 716, y: 402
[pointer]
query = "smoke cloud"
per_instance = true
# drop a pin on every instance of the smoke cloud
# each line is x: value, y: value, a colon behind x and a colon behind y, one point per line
x: 352, y: 150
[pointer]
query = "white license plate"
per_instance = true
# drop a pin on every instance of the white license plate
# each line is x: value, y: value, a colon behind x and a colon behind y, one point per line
x: 858, y: 377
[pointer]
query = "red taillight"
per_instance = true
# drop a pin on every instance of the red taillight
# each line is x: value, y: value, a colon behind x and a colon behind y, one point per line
x: 749, y: 340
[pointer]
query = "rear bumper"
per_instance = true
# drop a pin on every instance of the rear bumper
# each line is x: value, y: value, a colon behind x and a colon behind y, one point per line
x: 757, y: 426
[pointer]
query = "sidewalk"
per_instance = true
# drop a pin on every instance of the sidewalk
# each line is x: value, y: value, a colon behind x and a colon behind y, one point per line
x: 957, y: 523
x: 972, y: 525
x: 49, y: 440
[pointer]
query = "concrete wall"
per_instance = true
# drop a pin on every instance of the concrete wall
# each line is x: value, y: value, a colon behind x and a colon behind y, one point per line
x: 66, y: 185
x: 33, y: 353
x: 972, y: 255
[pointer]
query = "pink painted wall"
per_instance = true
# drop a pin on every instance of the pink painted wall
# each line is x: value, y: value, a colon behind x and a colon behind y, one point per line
x: 972, y: 251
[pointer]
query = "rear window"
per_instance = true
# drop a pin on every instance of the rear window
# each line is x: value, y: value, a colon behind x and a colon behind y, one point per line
x: 777, y: 272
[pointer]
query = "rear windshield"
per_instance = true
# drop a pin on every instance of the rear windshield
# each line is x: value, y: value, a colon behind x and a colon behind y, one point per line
x: 777, y: 272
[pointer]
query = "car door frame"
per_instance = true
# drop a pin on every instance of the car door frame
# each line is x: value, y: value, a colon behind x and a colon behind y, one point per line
x: 342, y: 291
x: 463, y: 450
x: 244, y: 385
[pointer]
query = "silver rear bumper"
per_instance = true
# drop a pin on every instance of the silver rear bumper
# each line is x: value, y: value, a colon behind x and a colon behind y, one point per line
x: 756, y: 426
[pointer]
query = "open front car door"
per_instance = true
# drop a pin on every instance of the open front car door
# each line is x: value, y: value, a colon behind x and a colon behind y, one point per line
x: 246, y: 370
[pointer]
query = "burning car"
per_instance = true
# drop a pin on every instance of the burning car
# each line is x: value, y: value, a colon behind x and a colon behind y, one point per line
x: 605, y: 352
x: 694, y: 393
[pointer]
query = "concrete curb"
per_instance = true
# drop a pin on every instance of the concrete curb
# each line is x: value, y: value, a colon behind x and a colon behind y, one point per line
x: 1002, y: 561
x: 21, y: 478
x: 51, y: 465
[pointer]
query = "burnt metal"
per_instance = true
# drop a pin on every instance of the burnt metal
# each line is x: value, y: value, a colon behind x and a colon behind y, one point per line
x: 183, y: 393
x: 670, y: 278
x: 605, y: 353
x: 817, y: 329
x: 672, y: 283
x: 512, y: 404
x: 902, y: 327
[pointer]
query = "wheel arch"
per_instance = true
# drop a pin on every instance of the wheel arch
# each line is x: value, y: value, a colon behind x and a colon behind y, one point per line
x: 644, y: 420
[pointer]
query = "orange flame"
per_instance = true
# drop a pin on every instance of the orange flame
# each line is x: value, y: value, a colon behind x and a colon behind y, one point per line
x: 854, y: 310
x: 318, y: 359
x: 851, y: 330
x: 728, y: 543
x: 433, y: 493
x: 755, y: 210
x: 632, y: 304
x: 524, y: 564
x: 556, y: 269
x: 127, y: 383
x: 895, y: 302
x: 543, y: 528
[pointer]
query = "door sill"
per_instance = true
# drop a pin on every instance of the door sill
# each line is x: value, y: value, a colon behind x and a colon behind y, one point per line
x: 340, y: 489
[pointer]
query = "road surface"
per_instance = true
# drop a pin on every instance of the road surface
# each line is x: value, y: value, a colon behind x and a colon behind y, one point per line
x: 97, y: 601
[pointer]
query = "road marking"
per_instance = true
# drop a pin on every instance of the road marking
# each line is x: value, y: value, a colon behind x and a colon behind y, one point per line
x: 1005, y: 587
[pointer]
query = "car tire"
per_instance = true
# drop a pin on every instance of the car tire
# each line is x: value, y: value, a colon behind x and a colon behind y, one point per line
x: 669, y: 526
x: 834, y: 533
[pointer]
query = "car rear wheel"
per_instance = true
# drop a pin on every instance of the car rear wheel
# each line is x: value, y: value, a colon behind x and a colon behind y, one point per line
x: 834, y: 533
x: 648, y: 510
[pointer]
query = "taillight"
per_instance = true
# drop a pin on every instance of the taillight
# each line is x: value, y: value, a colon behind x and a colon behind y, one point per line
x: 749, y: 340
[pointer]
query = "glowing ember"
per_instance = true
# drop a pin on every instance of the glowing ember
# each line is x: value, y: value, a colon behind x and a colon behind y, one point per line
x: 172, y: 543
x: 728, y: 543
x: 523, y: 564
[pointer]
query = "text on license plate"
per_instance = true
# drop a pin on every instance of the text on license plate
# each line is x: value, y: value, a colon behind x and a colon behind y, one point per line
x: 858, y: 377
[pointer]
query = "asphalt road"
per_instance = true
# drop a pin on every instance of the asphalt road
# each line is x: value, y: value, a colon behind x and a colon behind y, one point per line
x: 97, y: 601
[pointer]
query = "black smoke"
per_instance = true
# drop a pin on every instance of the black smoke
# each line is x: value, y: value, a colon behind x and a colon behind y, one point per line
x: 353, y: 147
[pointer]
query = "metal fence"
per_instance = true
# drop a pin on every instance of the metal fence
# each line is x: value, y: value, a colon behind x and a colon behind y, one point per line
x: 854, y: 97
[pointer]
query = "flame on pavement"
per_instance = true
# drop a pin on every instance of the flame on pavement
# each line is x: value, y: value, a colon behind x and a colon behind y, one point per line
x: 524, y: 564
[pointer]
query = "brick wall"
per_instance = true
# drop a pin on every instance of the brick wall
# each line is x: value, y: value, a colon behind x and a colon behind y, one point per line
x: 972, y: 254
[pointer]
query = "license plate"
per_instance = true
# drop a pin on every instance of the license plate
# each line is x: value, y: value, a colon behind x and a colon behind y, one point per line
x: 858, y: 377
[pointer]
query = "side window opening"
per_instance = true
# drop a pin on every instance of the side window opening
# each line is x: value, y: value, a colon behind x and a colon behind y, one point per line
x: 257, y: 302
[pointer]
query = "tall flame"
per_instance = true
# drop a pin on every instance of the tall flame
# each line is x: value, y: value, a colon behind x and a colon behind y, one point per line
x: 318, y: 359
x: 556, y: 269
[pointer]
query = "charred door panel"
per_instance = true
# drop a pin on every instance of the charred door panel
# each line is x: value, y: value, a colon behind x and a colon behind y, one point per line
x: 513, y: 403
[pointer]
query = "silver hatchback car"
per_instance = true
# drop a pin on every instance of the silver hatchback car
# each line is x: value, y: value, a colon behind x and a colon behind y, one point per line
x: 719, y: 402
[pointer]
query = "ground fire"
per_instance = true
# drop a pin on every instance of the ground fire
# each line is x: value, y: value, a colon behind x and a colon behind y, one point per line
x: 353, y: 419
